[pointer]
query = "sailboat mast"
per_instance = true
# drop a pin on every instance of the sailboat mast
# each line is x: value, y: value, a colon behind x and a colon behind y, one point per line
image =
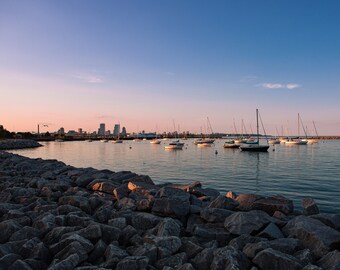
x: 316, y: 132
x: 257, y: 126
x: 298, y: 125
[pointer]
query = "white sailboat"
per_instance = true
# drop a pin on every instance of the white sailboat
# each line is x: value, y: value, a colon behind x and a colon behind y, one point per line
x: 255, y: 147
x: 297, y: 141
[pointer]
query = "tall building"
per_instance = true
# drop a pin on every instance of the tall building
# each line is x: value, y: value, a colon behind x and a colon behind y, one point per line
x: 123, y: 134
x: 80, y: 131
x: 61, y: 131
x: 116, y: 130
x: 101, y: 130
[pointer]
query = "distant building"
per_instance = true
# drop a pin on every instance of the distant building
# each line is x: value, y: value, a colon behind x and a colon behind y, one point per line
x: 123, y: 133
x: 61, y: 131
x: 72, y: 133
x: 116, y: 130
x: 101, y: 130
x: 107, y: 133
x: 80, y: 131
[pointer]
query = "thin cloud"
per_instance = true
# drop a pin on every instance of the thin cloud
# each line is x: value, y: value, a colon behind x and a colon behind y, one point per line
x: 88, y: 78
x: 248, y: 78
x: 280, y: 86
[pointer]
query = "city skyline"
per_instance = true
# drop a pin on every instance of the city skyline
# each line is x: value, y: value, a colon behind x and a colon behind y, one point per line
x: 148, y: 64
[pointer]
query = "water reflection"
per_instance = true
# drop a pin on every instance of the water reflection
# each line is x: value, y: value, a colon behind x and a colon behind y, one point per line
x: 307, y: 170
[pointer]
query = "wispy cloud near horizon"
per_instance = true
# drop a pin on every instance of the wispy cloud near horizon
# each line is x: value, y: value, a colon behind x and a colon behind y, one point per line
x: 279, y: 85
x: 88, y: 78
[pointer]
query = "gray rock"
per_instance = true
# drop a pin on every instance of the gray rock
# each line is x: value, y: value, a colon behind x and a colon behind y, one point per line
x: 305, y: 256
x: 7, y: 260
x: 121, y: 192
x: 20, y: 265
x: 275, y: 203
x: 331, y: 220
x: 119, y: 222
x: 269, y: 259
x: 316, y: 236
x: 110, y: 233
x: 285, y: 245
x: 240, y: 241
x: 215, y: 214
x: 69, y: 263
x: 77, y: 201
x: 55, y: 234
x: 203, y: 260
x: 73, y: 248
x: 35, y: 249
x: 127, y: 203
x: 271, y: 232
x: 331, y: 261
x: 168, y: 227
x: 133, y: 263
x: 147, y: 250
x: 247, y: 222
x: 98, y: 251
x: 311, y: 267
x: 113, y: 251
x: 144, y: 221
x: 167, y: 245
x: 246, y: 201
x: 186, y: 266
x: 44, y: 223
x: 86, y: 244
x: 174, y: 261
x: 171, y: 207
x: 92, y: 232
x: 24, y: 233
x: 309, y: 206
x: 7, y: 228
x: 223, y: 202
x: 127, y: 233
x: 191, y: 249
x: 229, y: 258
x: 204, y: 192
x: 211, y: 231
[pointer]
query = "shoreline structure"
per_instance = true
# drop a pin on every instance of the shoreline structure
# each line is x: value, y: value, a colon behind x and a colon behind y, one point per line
x: 55, y: 216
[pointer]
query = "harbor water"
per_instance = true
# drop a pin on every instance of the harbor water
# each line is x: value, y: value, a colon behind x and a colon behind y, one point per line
x: 292, y: 171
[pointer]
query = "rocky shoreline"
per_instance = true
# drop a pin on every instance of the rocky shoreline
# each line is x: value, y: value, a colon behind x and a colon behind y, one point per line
x: 18, y: 144
x: 55, y: 216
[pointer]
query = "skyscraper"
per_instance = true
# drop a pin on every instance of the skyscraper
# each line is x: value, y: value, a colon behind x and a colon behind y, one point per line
x: 116, y: 130
x: 123, y: 132
x: 101, y: 130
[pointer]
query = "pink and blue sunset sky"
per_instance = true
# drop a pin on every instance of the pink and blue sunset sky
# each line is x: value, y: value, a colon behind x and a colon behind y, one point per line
x: 76, y: 64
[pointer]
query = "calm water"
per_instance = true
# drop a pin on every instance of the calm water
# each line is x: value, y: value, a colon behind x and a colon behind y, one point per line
x: 293, y: 171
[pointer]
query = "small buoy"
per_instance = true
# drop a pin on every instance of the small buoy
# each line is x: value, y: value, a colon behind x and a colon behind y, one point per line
x: 273, y: 149
x: 216, y: 152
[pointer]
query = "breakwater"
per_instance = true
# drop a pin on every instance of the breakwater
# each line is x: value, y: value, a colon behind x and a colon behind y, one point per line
x: 55, y: 216
x: 18, y: 144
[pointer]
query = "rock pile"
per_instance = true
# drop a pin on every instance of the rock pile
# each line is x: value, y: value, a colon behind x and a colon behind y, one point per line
x: 18, y: 144
x: 54, y: 216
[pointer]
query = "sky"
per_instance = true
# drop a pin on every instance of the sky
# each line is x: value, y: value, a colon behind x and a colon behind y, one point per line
x: 149, y: 64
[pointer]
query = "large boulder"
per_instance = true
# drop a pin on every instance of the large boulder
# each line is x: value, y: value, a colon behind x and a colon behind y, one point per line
x: 269, y: 259
x: 167, y: 245
x: 202, y: 260
x: 309, y: 206
x: 247, y: 222
x: 224, y: 203
x: 133, y: 263
x: 169, y: 227
x: 316, y: 236
x: 215, y: 214
x: 7, y: 228
x: 275, y: 203
x: 144, y: 221
x: 331, y: 261
x: 174, y: 261
x: 210, y: 231
x: 285, y: 245
x: 229, y: 258
x: 246, y: 201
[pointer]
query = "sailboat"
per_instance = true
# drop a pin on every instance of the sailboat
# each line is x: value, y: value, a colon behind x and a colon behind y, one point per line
x: 297, y: 141
x: 255, y: 147
x: 314, y: 140
x: 203, y: 142
x: 275, y: 140
x: 174, y: 145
